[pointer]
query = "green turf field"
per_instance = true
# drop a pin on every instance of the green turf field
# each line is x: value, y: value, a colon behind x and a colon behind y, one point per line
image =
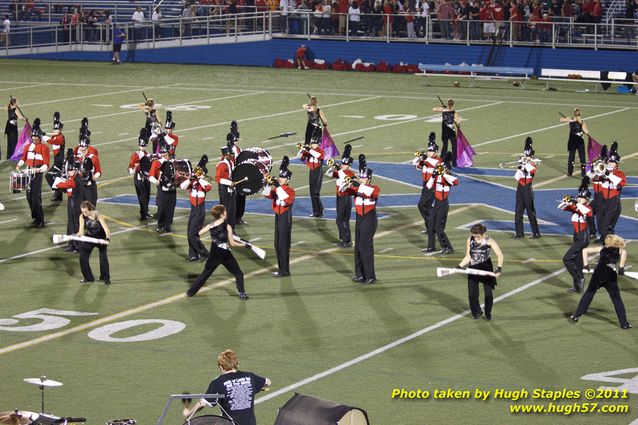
x: 293, y: 330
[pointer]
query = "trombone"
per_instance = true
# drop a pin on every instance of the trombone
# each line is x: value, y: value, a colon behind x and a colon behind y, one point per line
x: 521, y: 161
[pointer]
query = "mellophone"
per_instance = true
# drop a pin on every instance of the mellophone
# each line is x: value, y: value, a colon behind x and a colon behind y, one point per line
x: 20, y: 180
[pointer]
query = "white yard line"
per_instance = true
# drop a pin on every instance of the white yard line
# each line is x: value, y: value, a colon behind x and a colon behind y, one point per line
x: 68, y: 99
x: 398, y: 342
x: 546, y: 128
x: 8, y: 221
x: 22, y: 87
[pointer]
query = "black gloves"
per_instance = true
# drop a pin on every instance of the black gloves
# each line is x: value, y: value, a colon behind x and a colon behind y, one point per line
x: 498, y: 270
x: 275, y: 182
x: 248, y: 245
x: 621, y: 271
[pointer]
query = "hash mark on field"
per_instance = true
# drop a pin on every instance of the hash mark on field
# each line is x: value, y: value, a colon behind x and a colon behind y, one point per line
x: 102, y: 106
x: 529, y: 260
x: 208, y: 138
x: 123, y: 134
x: 8, y: 221
x: 357, y: 146
x: 298, y: 243
x: 388, y: 147
x: 352, y: 116
x: 385, y: 250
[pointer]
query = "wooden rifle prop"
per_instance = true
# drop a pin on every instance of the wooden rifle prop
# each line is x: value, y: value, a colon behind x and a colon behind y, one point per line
x: 145, y: 98
x: 285, y: 134
x: 442, y: 104
x: 65, y: 238
x: 258, y: 251
x: 355, y: 139
x: 562, y: 115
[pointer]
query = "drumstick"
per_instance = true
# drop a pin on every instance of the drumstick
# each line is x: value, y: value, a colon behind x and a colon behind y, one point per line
x: 242, y: 180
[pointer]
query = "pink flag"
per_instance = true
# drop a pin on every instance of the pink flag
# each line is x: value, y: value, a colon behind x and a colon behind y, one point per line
x: 464, y: 151
x: 23, y: 140
x: 593, y: 151
x: 328, y: 145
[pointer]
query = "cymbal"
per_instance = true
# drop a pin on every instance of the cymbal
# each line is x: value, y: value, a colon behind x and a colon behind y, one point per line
x: 19, y: 418
x: 43, y: 381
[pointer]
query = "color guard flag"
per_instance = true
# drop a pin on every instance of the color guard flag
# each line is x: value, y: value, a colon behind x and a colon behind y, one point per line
x: 23, y: 140
x: 328, y: 145
x: 464, y: 151
x: 593, y: 151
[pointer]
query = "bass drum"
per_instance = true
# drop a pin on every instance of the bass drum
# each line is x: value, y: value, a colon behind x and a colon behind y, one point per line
x: 209, y: 420
x: 255, y: 174
x: 258, y: 154
x: 183, y: 170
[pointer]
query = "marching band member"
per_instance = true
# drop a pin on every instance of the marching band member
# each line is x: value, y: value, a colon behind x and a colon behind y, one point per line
x: 95, y: 226
x: 596, y: 178
x: 170, y: 137
x: 612, y: 183
x: 75, y: 196
x: 605, y: 275
x: 315, y: 119
x: 441, y: 182
x: 57, y: 146
x: 232, y: 139
x: 525, y: 193
x: 153, y: 122
x: 162, y: 175
x: 477, y: 255
x: 198, y: 187
x: 581, y: 212
x: 365, y: 201
x: 427, y: 163
x: 450, y: 120
x: 341, y: 172
x: 222, y: 235
x: 88, y: 156
x: 312, y: 155
x: 11, y: 126
x: 226, y: 186
x: 283, y: 196
x: 139, y: 167
x: 36, y: 158
x: 577, y: 129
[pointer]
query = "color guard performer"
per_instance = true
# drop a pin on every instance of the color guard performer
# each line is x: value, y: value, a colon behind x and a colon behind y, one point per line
x: 221, y: 234
x: 342, y: 172
x: 365, y: 202
x: 74, y: 188
x: 525, y: 193
x: 316, y: 119
x: 95, y: 226
x: 478, y: 256
x: 282, y: 196
x: 441, y: 183
x: 139, y: 167
x: 450, y: 120
x: 170, y: 137
x: 162, y: 175
x: 427, y: 162
x: 153, y: 122
x: 612, y: 182
x: 226, y: 186
x: 197, y: 186
x: 312, y: 155
x: 36, y: 158
x: 606, y: 275
x: 11, y: 126
x: 57, y: 146
x: 576, y: 142
x: 91, y: 168
x: 581, y: 212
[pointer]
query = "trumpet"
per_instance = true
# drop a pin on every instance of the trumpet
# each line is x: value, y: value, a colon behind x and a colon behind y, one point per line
x: 269, y: 179
x: 332, y: 163
x: 420, y: 154
x: 599, y: 167
x: 440, y: 168
x: 302, y: 146
x: 568, y: 199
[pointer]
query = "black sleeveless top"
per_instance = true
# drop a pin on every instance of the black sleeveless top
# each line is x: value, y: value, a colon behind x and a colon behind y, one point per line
x: 605, y: 270
x: 479, y: 251
x: 576, y: 128
x: 12, y: 121
x: 314, y: 119
x: 94, y: 228
x: 448, y: 120
x: 219, y: 235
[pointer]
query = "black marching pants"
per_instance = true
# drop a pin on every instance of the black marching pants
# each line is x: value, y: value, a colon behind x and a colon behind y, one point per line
x: 436, y: 224
x: 241, y: 206
x: 425, y: 204
x: 473, y: 295
x: 315, y: 179
x: 344, y: 211
x: 34, y: 198
x: 216, y: 257
x: 90, y: 192
x: 166, y: 201
x: 12, y: 141
x: 525, y: 202
x: 229, y: 201
x: 195, y: 223
x: 609, y: 212
x: 283, y: 236
x: 143, y: 190
x: 573, y: 258
x: 85, y: 255
x: 581, y: 157
x: 448, y: 135
x: 614, y: 294
x: 365, y: 228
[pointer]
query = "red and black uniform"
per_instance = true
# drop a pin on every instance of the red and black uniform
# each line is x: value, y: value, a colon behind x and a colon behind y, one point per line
x: 140, y: 180
x: 172, y: 140
x: 240, y: 200
x: 227, y: 193
x: 36, y: 158
x: 163, y: 175
x: 57, y: 147
x: 343, y: 204
x: 441, y: 184
x: 573, y: 258
x: 594, y: 220
x: 314, y: 160
x: 91, y: 170
x: 611, y: 185
x: 74, y: 191
x: 365, y: 202
x: 197, y: 195
x: 282, y: 199
x: 427, y: 166
x: 525, y: 200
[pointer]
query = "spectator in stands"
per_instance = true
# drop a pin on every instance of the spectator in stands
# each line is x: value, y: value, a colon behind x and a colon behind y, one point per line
x: 487, y: 19
x: 423, y: 10
x: 597, y: 12
x: 409, y: 22
x: 6, y: 29
x: 516, y: 18
x: 301, y: 56
x: 74, y: 27
x: 444, y: 15
x: 106, y: 26
x: 285, y: 16
x: 326, y: 21
x: 157, y: 19
x: 138, y: 24
x: 498, y: 14
x: 188, y: 13
x: 534, y: 22
x: 317, y: 18
x: 343, y: 15
x: 388, y: 18
x: 231, y: 10
x: 475, y: 24
x: 119, y: 36
x: 65, y: 27
x: 366, y: 9
x: 463, y: 18
x: 90, y: 32
x: 354, y: 16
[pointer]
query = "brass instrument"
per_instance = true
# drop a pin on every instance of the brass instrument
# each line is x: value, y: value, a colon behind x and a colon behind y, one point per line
x: 599, y: 167
x: 523, y: 160
x: 420, y: 154
x: 332, y: 163
x: 568, y: 199
x: 299, y: 146
x: 440, y: 168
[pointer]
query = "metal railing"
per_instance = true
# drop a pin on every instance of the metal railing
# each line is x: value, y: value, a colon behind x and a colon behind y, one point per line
x: 620, y: 34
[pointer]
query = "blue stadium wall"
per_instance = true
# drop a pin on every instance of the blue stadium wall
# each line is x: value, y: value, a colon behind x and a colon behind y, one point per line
x: 263, y: 53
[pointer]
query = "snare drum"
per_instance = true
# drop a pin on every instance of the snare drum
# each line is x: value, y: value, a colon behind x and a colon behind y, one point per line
x: 19, y: 181
x: 208, y: 420
x: 122, y: 422
x: 183, y: 170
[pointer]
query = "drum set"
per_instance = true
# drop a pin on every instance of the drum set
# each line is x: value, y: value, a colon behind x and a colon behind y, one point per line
x: 253, y: 164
